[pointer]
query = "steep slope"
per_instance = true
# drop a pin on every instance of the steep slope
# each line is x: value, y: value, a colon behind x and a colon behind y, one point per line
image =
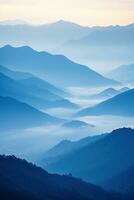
x: 27, y: 179
x: 55, y: 69
x: 23, y: 89
x: 121, y: 104
x: 17, y: 115
x: 35, y: 86
x: 64, y: 148
x: 40, y: 87
x: 14, y: 74
x: 100, y: 160
x: 31, y: 94
x: 31, y: 80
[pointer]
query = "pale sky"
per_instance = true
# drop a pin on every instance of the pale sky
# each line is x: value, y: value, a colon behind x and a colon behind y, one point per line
x: 84, y: 12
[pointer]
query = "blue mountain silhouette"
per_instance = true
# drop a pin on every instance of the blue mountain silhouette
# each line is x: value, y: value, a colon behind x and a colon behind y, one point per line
x: 31, y: 80
x: 43, y: 37
x: 99, y: 160
x: 103, y: 47
x: 108, y: 93
x: 121, y: 104
x: 19, y: 115
x: 56, y: 69
x: 23, y: 180
x: 33, y: 95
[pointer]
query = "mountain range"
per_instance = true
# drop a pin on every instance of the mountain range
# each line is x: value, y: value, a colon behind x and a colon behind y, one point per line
x: 31, y: 91
x: 111, y: 35
x: 100, y: 160
x: 121, y: 105
x: 23, y: 180
x: 42, y: 37
x: 19, y: 115
x: 35, y: 84
x: 30, y: 79
x: 97, y: 47
x: 91, y: 46
x: 108, y: 93
x: 66, y: 147
x: 51, y: 67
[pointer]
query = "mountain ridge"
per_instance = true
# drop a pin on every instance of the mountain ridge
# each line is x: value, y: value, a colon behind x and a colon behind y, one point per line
x: 51, y: 67
x: 95, y: 160
x: 120, y: 105
x: 35, y: 182
x: 25, y: 92
x: 19, y: 115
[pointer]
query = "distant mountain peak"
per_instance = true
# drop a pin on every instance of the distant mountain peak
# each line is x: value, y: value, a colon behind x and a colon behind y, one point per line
x: 62, y: 22
x: 26, y: 48
x: 7, y: 46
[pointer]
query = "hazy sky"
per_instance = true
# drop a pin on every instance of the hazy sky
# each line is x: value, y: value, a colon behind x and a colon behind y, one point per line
x: 85, y: 12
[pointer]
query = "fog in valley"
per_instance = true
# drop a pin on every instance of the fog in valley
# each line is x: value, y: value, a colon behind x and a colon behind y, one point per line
x: 32, y: 143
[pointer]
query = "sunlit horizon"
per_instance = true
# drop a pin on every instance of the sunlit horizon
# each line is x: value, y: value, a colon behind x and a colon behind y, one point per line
x: 86, y: 12
x: 21, y: 21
